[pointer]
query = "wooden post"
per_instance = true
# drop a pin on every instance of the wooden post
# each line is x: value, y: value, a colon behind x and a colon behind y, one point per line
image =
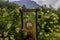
x: 22, y: 21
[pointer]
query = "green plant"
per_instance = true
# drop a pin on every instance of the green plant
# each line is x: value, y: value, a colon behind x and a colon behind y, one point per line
x: 48, y: 23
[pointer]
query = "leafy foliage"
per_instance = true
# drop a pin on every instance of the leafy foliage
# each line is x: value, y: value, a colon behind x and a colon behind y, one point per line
x: 9, y: 5
x: 10, y: 24
x: 47, y: 24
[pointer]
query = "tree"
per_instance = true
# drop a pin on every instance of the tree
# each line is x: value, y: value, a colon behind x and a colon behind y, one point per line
x: 10, y: 22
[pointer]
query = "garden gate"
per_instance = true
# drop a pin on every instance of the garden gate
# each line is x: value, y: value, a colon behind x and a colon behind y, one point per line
x: 29, y: 21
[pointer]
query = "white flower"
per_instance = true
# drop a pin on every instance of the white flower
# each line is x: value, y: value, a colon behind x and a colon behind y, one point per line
x: 0, y: 34
x: 43, y: 25
x: 4, y: 9
x: 53, y: 13
x: 27, y: 16
x: 20, y: 7
x: 44, y: 22
x: 42, y: 12
x: 9, y: 25
x: 56, y: 21
x: 57, y: 17
x: 17, y: 30
x: 12, y: 37
x: 49, y: 28
x: 48, y: 11
x: 7, y: 38
x: 47, y: 17
x: 54, y: 18
x: 34, y: 13
x: 41, y: 33
x: 46, y: 35
x: 5, y: 34
x: 5, y: 14
x: 59, y: 26
x: 57, y: 30
x: 26, y: 19
x: 51, y: 22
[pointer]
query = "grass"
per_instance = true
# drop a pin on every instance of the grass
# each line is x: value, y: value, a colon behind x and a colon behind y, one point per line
x: 57, y: 34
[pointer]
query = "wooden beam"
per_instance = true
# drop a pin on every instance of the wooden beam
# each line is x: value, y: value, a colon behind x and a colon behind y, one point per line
x: 29, y: 10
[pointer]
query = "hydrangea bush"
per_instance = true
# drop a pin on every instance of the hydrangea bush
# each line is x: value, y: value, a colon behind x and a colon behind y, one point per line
x: 47, y: 24
x: 10, y: 24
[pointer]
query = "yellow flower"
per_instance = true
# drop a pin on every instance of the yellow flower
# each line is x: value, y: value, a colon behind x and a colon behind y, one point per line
x: 17, y: 30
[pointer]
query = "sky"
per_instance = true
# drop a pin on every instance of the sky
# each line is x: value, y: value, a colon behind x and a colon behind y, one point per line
x: 54, y: 3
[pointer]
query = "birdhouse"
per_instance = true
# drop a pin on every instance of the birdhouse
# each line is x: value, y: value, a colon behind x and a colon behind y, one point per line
x: 30, y: 26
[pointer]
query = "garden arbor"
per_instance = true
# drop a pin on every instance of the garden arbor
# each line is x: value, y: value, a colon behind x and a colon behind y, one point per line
x: 30, y: 24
